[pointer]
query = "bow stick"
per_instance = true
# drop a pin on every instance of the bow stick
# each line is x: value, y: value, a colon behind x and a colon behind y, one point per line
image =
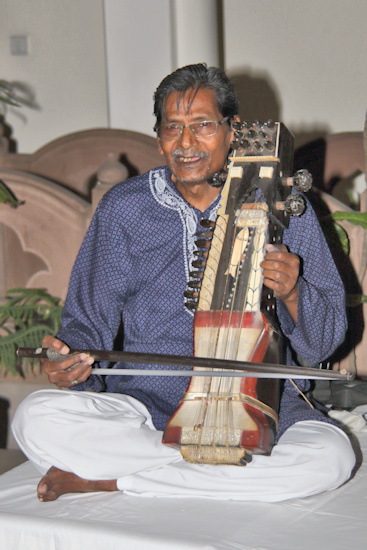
x: 228, y: 367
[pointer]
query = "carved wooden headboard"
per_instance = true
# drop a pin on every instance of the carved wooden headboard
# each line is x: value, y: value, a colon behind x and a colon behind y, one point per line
x: 40, y: 239
x: 73, y: 160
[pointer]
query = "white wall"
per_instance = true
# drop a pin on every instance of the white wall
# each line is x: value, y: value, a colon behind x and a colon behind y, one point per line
x: 138, y: 43
x: 146, y: 40
x: 65, y: 68
x: 313, y: 55
x: 194, y: 28
x: 302, y: 62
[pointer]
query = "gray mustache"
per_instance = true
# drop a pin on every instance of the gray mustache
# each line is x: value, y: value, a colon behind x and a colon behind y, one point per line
x: 189, y: 153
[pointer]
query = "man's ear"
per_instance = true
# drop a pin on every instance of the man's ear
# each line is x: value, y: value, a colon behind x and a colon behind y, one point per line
x: 160, y: 150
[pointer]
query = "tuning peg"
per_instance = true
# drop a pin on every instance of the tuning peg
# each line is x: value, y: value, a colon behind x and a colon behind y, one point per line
x: 194, y: 284
x: 218, y: 179
x: 191, y: 305
x: 295, y: 205
x: 245, y: 144
x: 205, y: 234
x: 258, y: 146
x: 207, y: 223
x: 196, y: 274
x: 201, y: 254
x: 302, y: 180
x: 202, y: 243
x: 200, y: 264
x: 269, y: 145
x: 192, y: 294
x: 237, y: 125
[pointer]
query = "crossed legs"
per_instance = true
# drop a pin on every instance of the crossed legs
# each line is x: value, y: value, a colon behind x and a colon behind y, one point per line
x: 83, y: 441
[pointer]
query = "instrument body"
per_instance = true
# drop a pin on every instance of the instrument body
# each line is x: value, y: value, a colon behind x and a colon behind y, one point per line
x: 226, y: 421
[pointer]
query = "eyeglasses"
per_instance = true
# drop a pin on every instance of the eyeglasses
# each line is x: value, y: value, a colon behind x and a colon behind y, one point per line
x: 203, y: 129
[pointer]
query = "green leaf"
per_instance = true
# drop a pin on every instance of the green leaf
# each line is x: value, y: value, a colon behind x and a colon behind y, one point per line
x: 354, y: 300
x: 7, y: 196
x: 8, y: 101
x: 7, y: 94
x: 343, y: 237
x: 27, y: 315
x: 356, y: 218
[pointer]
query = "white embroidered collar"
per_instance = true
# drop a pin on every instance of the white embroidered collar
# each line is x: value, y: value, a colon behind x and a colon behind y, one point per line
x: 166, y: 194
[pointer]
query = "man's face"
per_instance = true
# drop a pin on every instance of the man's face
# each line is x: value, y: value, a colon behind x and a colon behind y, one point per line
x: 193, y: 160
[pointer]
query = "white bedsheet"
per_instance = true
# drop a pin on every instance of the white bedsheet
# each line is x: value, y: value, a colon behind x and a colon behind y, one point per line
x: 336, y: 519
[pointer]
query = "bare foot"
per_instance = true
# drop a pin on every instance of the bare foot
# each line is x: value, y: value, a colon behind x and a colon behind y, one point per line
x: 57, y: 482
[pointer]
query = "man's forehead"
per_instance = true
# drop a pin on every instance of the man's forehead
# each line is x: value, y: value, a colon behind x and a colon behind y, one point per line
x: 185, y: 102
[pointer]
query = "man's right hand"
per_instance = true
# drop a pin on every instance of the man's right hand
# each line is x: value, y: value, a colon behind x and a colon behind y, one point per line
x: 70, y: 371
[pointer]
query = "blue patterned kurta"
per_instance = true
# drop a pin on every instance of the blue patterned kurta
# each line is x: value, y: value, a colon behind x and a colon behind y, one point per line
x: 133, y: 267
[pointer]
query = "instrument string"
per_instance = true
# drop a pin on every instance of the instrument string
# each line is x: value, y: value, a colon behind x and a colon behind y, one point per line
x: 216, y: 413
x: 259, y: 241
x: 209, y: 420
x: 252, y: 236
x: 223, y: 337
x: 225, y: 388
x: 207, y: 417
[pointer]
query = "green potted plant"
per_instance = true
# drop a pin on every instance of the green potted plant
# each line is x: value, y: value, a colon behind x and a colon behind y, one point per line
x: 7, y: 94
x: 356, y: 218
x: 26, y: 316
x: 8, y: 97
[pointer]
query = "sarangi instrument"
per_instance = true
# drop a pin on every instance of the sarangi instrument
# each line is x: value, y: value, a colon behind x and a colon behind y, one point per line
x: 225, y: 421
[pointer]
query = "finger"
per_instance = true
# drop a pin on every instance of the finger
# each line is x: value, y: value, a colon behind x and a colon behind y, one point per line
x: 66, y: 364
x: 278, y: 276
x: 52, y: 342
x: 278, y: 271
x: 282, y: 286
x: 275, y: 248
x: 63, y: 373
x: 78, y: 373
x: 71, y: 370
x: 282, y: 262
x: 282, y: 257
x: 278, y: 289
x: 273, y: 281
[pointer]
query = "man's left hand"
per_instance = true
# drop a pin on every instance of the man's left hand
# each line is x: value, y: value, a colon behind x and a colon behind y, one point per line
x: 281, y: 272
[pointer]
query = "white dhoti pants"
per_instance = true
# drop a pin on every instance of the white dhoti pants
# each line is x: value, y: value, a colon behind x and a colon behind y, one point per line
x: 111, y: 436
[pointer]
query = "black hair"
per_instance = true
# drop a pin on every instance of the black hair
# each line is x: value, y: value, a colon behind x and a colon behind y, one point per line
x: 196, y: 77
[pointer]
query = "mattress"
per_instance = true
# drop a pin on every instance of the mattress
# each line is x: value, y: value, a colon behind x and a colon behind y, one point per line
x: 335, y: 519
